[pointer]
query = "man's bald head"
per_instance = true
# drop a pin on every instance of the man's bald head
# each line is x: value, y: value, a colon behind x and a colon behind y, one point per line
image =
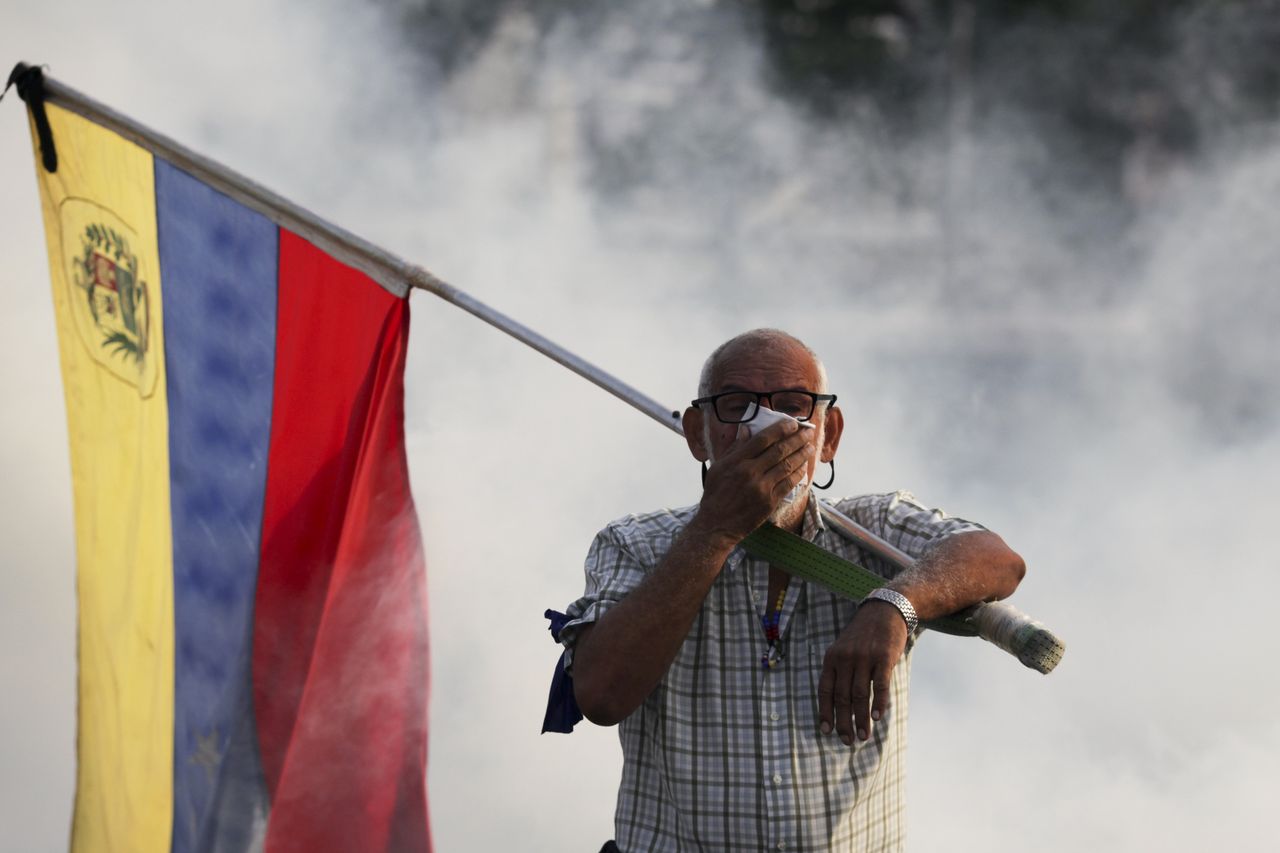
x: 757, y: 342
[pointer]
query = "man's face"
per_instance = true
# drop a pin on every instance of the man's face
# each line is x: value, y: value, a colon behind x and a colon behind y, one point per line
x: 775, y: 368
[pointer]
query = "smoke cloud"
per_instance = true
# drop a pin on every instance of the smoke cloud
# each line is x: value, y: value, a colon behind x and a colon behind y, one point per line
x: 1099, y: 388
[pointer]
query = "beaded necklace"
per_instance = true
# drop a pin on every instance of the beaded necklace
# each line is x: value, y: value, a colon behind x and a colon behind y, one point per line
x: 770, y: 620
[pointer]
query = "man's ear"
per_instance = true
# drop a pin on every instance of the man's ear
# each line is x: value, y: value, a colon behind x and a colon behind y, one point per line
x: 832, y: 427
x: 692, y: 424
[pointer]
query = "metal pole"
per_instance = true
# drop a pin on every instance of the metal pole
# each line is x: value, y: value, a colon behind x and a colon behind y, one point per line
x: 396, y: 274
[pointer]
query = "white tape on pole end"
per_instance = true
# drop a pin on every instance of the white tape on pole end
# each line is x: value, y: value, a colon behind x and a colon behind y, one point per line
x: 1018, y: 634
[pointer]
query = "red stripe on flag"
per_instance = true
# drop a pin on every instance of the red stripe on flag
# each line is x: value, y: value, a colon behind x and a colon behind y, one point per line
x: 340, y: 648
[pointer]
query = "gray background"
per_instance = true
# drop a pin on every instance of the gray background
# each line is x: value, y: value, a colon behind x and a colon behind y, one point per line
x: 1098, y: 388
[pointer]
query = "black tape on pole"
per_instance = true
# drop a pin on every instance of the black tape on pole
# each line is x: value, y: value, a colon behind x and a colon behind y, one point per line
x: 30, y: 82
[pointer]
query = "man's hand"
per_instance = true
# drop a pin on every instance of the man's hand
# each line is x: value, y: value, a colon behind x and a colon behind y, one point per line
x: 853, y: 691
x: 745, y: 485
x: 957, y: 572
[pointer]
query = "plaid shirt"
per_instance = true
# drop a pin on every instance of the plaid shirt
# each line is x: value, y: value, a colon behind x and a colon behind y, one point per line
x: 725, y: 754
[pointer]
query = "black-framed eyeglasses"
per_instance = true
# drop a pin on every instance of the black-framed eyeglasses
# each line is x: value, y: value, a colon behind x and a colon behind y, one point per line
x: 737, y: 407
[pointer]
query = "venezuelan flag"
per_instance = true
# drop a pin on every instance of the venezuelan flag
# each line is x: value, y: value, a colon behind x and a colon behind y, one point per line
x: 252, y: 637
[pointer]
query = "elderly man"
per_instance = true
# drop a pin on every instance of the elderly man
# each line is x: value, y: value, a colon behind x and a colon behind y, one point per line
x: 759, y: 711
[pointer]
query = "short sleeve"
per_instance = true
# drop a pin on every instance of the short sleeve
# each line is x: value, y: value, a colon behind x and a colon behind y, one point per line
x: 617, y: 562
x: 904, y: 522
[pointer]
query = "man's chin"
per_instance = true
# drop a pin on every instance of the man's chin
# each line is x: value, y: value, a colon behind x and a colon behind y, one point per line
x: 789, y: 515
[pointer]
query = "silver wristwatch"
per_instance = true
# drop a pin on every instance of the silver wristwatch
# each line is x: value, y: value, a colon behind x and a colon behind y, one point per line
x: 899, y: 601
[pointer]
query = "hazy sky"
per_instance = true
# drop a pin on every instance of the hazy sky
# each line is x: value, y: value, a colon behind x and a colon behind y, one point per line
x: 1117, y: 427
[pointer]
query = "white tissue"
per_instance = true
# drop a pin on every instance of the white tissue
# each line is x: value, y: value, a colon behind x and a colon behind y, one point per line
x: 768, y: 417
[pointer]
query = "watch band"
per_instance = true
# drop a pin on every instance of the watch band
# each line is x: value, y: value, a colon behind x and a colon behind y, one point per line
x: 899, y: 601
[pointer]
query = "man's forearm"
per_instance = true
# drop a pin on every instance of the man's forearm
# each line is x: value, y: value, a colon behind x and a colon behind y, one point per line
x: 962, y: 570
x: 620, y: 659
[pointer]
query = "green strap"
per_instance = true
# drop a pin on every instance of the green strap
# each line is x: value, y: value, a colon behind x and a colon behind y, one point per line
x: 805, y: 560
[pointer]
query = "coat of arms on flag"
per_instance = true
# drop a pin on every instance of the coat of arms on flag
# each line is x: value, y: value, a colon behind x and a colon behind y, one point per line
x: 110, y: 300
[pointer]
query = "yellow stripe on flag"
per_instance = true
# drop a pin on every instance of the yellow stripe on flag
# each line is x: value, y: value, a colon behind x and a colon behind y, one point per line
x: 100, y: 220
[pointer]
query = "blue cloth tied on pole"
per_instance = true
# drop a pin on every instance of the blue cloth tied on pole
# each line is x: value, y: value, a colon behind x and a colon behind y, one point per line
x: 562, y: 707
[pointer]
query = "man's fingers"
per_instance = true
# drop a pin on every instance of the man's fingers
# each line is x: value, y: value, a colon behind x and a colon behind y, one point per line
x: 775, y: 461
x: 786, y: 480
x: 826, y: 697
x: 860, y: 697
x: 834, y: 699
x: 783, y: 457
x: 780, y: 438
x: 844, y: 715
x: 793, y: 459
x: 774, y: 454
x: 880, y: 704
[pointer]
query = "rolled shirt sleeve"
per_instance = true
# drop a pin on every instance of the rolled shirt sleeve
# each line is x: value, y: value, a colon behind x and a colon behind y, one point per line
x: 620, y: 558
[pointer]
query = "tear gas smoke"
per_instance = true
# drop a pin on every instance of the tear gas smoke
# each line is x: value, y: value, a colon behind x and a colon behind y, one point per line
x: 1102, y: 395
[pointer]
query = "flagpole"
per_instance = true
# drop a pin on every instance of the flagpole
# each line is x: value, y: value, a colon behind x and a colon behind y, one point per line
x: 399, y: 276
x: 638, y: 400
x: 394, y: 273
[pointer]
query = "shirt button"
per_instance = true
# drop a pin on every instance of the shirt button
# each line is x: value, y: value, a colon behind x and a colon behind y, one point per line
x: 782, y: 845
x: 777, y: 779
x: 774, y: 716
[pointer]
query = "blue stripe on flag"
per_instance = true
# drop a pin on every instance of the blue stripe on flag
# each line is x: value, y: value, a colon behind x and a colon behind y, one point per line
x: 218, y: 265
